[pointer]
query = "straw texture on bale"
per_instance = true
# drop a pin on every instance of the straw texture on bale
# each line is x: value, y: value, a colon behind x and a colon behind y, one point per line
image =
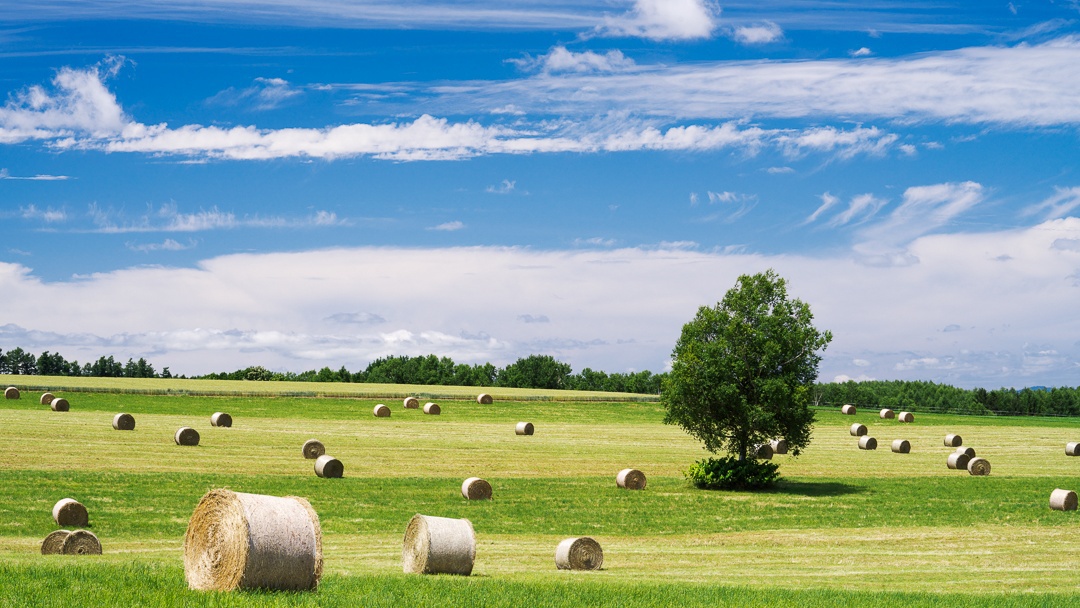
x: 411, y: 403
x: 381, y: 411
x: 186, y: 435
x: 970, y: 451
x: 779, y: 446
x: 46, y: 398
x: 432, y: 408
x: 251, y: 541
x: 11, y: 393
x: 524, y: 428
x: 475, y: 488
x: 70, y: 512
x: 858, y: 430
x: 328, y: 466
x: 438, y: 545
x: 581, y: 553
x: 631, y: 479
x: 484, y: 399
x: 1072, y: 448
x: 221, y: 419
x: 763, y: 451
x: 958, y: 460
x: 123, y: 422
x: 887, y: 414
x: 81, y: 542
x: 1060, y: 500
x: 54, y: 542
x: 313, y: 448
x: 867, y: 442
x: 953, y: 441
x: 848, y: 409
x: 60, y: 405
x: 906, y: 417
x: 901, y: 446
x: 978, y: 466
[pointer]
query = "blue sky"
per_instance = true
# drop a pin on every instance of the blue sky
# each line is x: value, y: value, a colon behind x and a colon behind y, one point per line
x: 213, y: 184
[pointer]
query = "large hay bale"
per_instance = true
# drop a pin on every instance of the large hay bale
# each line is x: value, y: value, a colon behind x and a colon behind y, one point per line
x: 1072, y: 448
x: 906, y: 417
x: 328, y: 466
x: 432, y: 408
x: 59, y: 405
x: 123, y: 422
x: 867, y: 442
x: 54, y: 542
x: 631, y: 479
x: 958, y: 460
x: 186, y: 435
x: 582, y: 553
x: 221, y: 419
x: 858, y: 430
x: 779, y: 446
x: 887, y: 414
x: 252, y: 541
x: 901, y: 446
x: 438, y: 545
x: 762, y: 451
x: 46, y: 398
x: 411, y: 403
x: 978, y: 466
x: 848, y: 409
x: 524, y: 428
x: 381, y: 411
x: 11, y: 393
x: 70, y: 512
x: 1060, y: 500
x: 970, y: 451
x: 484, y: 399
x: 81, y: 542
x: 953, y: 441
x: 313, y: 448
x: 475, y: 488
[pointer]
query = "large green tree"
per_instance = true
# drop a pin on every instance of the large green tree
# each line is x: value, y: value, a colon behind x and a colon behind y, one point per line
x: 743, y: 371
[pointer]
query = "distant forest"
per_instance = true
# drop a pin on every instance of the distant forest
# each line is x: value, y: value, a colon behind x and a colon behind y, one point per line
x: 545, y: 372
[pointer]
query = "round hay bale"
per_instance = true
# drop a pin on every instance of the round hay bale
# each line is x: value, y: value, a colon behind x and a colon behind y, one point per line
x: 906, y: 417
x: 867, y: 442
x: 901, y: 446
x: 779, y: 446
x: 475, y: 488
x: 524, y: 428
x: 381, y: 411
x: 484, y: 399
x: 970, y: 451
x: 186, y: 435
x: 252, y: 541
x: 978, y: 466
x: 11, y: 393
x: 953, y: 441
x: 328, y: 466
x: 411, y: 403
x: 887, y: 414
x: 848, y: 409
x: 958, y: 460
x: 313, y: 448
x: 1060, y: 500
x: 631, y: 479
x: 60, y: 405
x: 432, y: 408
x: 46, y: 398
x: 81, y: 542
x: 438, y: 545
x: 582, y: 553
x: 221, y: 419
x: 54, y: 542
x: 123, y: 422
x: 763, y: 451
x: 1072, y: 448
x: 70, y: 512
x: 858, y: 430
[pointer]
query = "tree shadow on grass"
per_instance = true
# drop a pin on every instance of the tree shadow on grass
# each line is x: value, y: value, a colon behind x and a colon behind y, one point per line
x: 814, y: 488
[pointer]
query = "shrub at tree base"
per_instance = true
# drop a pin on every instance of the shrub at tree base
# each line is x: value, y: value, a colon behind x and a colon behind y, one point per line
x: 727, y: 473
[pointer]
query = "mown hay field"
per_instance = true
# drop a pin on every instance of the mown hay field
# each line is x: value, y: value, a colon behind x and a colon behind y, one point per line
x: 845, y: 526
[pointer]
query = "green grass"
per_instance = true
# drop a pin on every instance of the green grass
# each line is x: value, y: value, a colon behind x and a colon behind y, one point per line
x: 844, y: 527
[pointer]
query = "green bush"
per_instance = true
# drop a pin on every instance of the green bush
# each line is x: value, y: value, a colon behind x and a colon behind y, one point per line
x: 727, y: 473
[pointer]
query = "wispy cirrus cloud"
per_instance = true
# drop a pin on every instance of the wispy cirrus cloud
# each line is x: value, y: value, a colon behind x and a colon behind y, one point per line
x: 40, y: 177
x: 169, y: 218
x: 1063, y: 202
x: 263, y: 94
x: 453, y: 226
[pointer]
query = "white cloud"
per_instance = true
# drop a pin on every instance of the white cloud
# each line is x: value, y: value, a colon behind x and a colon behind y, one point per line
x: 665, y: 20
x: 924, y: 210
x: 534, y: 319
x: 264, y: 94
x: 762, y: 33
x: 559, y: 59
x: 828, y: 201
x: 1062, y: 203
x: 4, y: 174
x: 49, y: 215
x: 861, y: 52
x: 168, y: 218
x: 449, y: 226
x: 862, y: 207
x: 166, y: 245
x: 506, y: 187
x: 595, y: 241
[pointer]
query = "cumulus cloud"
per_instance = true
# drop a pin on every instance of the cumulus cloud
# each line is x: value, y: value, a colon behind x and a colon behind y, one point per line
x: 762, y: 33
x: 559, y: 60
x: 665, y: 20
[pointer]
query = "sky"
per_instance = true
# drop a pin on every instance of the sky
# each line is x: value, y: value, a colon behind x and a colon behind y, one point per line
x: 213, y: 184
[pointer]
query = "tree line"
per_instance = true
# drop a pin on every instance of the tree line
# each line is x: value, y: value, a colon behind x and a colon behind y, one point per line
x: 20, y: 362
x: 924, y: 396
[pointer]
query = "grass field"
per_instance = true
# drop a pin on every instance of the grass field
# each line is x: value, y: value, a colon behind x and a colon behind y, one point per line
x: 844, y: 527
